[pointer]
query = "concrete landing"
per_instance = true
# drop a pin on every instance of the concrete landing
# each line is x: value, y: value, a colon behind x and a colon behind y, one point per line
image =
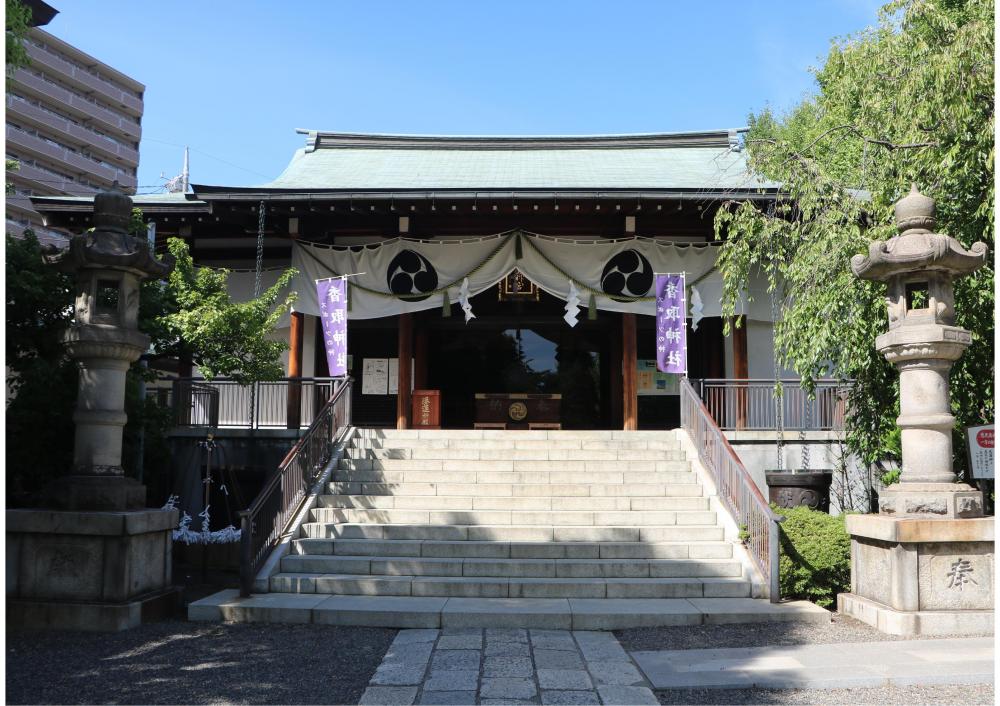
x: 845, y: 665
x: 539, y: 613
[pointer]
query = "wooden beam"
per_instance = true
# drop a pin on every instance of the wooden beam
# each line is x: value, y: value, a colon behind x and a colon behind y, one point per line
x: 741, y: 368
x: 294, y: 409
x: 630, y: 382
x: 405, y: 353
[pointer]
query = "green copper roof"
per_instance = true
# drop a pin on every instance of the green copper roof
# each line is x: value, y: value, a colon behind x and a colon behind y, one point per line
x: 704, y: 161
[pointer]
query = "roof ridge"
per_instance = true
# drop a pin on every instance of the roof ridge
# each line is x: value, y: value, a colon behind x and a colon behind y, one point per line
x: 317, y: 139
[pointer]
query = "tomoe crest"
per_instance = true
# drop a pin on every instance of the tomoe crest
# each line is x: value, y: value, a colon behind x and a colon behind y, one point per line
x: 627, y: 274
x: 409, y: 272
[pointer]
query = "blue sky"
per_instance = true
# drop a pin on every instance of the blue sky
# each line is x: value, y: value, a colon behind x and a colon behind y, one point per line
x: 234, y: 79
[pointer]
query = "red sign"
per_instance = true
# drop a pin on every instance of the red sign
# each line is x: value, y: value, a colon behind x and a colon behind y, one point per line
x: 985, y: 438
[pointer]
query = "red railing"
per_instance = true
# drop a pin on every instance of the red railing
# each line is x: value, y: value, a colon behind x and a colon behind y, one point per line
x: 266, y: 520
x: 737, y: 490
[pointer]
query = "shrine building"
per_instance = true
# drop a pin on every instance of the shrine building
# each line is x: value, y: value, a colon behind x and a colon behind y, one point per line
x: 462, y: 253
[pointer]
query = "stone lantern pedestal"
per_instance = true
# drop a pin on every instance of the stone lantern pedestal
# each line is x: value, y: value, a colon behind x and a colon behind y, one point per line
x: 924, y: 564
x: 97, y: 558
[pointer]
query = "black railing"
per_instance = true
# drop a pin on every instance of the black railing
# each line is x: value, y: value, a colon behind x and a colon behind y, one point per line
x: 736, y: 489
x: 267, y: 518
x: 752, y: 405
x: 286, y: 403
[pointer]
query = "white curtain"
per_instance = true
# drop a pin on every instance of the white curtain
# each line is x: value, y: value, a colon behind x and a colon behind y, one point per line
x: 617, y: 273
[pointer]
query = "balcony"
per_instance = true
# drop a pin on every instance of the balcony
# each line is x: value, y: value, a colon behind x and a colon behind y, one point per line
x: 57, y: 154
x: 83, y: 79
x: 35, y: 115
x: 45, y: 91
x: 48, y: 181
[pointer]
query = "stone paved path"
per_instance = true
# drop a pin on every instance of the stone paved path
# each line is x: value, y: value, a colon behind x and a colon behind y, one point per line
x: 966, y: 660
x: 507, y: 666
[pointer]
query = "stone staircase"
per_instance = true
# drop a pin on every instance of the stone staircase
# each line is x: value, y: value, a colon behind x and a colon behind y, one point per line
x: 595, y: 529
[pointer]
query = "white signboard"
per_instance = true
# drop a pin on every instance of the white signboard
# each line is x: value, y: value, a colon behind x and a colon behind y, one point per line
x: 651, y: 381
x: 375, y: 376
x: 981, y: 451
x: 394, y: 375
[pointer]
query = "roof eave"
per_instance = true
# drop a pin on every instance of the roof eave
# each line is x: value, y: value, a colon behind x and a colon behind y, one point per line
x: 58, y: 204
x: 224, y: 193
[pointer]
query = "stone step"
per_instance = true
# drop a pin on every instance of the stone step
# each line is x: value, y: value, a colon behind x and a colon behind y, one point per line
x: 583, y: 490
x: 459, y: 502
x: 510, y: 568
x: 668, y: 444
x: 588, y: 465
x: 540, y: 450
x: 514, y: 517
x: 487, y: 549
x: 514, y: 434
x: 505, y: 587
x: 513, y: 533
x: 539, y: 613
x: 515, y: 477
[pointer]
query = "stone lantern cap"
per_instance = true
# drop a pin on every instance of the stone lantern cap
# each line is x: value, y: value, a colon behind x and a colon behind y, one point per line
x: 109, y: 244
x: 917, y: 248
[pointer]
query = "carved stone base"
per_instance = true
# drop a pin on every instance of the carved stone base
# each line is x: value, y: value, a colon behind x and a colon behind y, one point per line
x: 931, y: 500
x: 915, y: 622
x: 93, y: 617
x: 100, y: 493
x: 912, y: 576
x: 87, y: 570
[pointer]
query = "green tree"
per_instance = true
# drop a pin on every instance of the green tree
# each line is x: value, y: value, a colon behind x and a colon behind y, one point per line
x: 41, y: 380
x: 190, y: 314
x: 18, y: 20
x: 910, y: 100
x: 200, y: 321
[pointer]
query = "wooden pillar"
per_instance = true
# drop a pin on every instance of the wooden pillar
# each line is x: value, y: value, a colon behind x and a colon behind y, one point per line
x: 630, y: 374
x: 405, y: 353
x: 615, y: 386
x: 294, y: 408
x: 741, y: 368
x: 420, y: 359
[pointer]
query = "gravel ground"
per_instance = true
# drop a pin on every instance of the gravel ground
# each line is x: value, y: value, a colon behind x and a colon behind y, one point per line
x: 842, y: 629
x: 179, y: 662
x: 901, y: 696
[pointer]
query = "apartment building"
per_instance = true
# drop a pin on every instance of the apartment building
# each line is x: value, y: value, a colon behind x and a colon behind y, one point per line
x: 73, y: 124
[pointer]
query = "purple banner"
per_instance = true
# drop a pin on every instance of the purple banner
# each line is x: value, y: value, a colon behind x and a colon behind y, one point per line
x: 332, y: 295
x: 671, y: 332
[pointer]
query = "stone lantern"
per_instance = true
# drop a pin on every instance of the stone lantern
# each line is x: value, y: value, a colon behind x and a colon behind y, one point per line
x: 108, y: 265
x: 923, y: 342
x: 100, y: 560
x: 924, y: 564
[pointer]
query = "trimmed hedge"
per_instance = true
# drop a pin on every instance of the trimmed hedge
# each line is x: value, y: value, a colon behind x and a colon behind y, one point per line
x: 815, y: 561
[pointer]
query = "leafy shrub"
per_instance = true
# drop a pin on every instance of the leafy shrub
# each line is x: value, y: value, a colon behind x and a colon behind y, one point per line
x: 815, y: 561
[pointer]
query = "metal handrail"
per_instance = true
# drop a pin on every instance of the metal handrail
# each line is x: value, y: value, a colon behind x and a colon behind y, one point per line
x: 750, y: 404
x: 277, y: 504
x: 737, y: 490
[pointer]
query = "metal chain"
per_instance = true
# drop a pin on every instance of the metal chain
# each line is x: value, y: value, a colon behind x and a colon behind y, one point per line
x: 252, y: 412
x: 779, y: 412
x: 260, y: 249
x: 802, y: 432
